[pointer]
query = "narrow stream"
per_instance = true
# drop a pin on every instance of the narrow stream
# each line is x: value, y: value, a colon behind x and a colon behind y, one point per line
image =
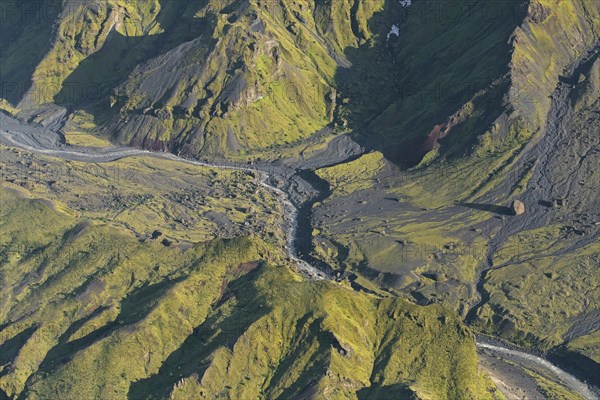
x: 303, y: 238
x: 299, y: 230
x: 302, y: 259
x: 539, y: 365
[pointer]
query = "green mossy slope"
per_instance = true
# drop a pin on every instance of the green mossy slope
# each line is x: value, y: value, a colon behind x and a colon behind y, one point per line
x: 90, y: 312
x: 212, y: 77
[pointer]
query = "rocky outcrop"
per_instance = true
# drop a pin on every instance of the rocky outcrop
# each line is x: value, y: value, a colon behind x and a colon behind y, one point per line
x: 518, y: 207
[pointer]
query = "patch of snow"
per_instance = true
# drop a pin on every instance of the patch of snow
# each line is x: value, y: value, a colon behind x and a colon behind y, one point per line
x: 394, y: 31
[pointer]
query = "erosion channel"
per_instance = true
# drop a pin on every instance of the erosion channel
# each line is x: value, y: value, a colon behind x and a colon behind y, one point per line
x: 297, y: 188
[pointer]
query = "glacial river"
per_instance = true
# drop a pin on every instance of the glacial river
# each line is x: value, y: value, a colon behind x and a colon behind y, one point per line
x: 30, y: 140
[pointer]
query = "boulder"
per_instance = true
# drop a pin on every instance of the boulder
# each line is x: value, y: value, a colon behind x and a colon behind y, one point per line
x: 518, y: 207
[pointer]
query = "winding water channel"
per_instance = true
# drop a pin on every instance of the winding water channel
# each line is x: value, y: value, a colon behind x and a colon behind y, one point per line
x: 29, y: 138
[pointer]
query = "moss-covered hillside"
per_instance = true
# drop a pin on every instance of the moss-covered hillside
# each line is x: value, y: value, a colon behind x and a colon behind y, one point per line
x: 234, y: 78
x: 414, y: 125
x: 89, y: 311
x: 211, y: 77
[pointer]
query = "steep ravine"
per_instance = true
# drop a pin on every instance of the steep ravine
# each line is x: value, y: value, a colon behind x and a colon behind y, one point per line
x: 304, y: 232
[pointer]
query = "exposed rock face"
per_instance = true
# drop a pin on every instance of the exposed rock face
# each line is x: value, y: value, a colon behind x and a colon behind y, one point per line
x: 518, y: 207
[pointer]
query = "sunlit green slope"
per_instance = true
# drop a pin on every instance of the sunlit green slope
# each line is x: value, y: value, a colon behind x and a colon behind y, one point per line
x: 91, y: 312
